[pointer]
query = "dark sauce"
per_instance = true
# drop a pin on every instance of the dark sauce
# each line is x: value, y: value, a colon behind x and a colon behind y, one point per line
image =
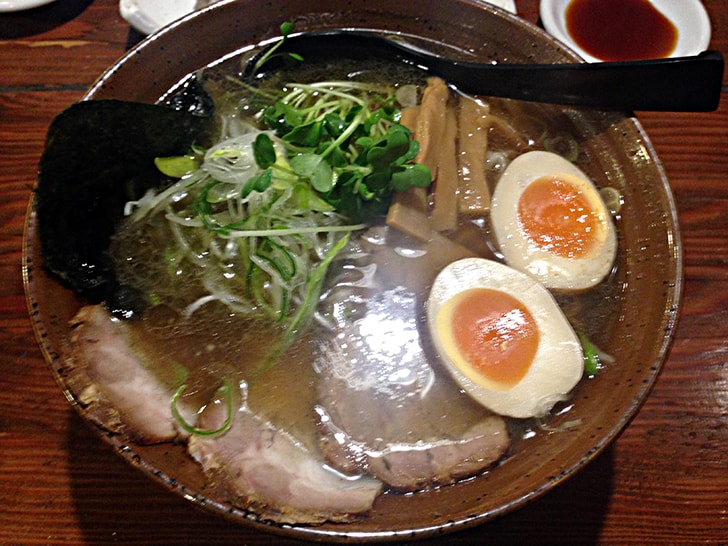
x: 620, y: 30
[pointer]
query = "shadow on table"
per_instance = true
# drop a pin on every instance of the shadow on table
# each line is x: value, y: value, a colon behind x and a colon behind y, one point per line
x: 38, y: 20
x: 133, y: 37
x: 116, y: 503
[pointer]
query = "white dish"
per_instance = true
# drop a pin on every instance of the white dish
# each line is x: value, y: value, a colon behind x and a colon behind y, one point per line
x: 147, y: 16
x: 19, y: 5
x: 688, y: 16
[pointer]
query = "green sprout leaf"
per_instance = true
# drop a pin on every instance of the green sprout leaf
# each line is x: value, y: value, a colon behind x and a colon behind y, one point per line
x: 264, y: 151
x: 414, y: 175
x: 315, y: 169
x: 259, y: 183
x: 306, y: 135
x: 286, y: 28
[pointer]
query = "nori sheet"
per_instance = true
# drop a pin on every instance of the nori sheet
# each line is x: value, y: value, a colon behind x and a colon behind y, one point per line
x: 100, y: 154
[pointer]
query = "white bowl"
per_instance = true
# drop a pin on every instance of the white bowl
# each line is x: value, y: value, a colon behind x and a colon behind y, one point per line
x: 688, y: 16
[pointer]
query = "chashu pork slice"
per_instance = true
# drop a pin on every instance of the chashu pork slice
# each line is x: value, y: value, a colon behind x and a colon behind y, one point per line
x: 112, y: 382
x: 264, y: 469
x: 385, y: 409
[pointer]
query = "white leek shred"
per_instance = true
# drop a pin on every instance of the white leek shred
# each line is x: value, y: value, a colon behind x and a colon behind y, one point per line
x: 254, y: 252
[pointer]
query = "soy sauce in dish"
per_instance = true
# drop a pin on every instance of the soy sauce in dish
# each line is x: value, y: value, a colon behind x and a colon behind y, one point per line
x: 620, y: 30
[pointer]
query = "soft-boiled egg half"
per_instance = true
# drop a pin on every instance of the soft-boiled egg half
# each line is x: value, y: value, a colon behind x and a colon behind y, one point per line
x: 550, y: 221
x: 503, y: 337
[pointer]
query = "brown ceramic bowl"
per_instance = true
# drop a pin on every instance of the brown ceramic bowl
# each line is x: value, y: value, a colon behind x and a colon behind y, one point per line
x: 649, y: 258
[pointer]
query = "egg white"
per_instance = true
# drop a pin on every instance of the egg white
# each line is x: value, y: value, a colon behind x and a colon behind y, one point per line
x: 558, y: 363
x: 553, y: 271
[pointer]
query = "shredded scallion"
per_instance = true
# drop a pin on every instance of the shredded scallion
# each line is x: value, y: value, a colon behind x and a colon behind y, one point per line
x: 225, y: 392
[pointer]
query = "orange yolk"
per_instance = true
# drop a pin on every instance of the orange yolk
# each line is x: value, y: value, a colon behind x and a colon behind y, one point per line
x: 556, y: 216
x: 493, y: 334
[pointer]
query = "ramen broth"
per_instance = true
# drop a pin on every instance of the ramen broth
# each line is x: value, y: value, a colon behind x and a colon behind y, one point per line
x: 216, y: 344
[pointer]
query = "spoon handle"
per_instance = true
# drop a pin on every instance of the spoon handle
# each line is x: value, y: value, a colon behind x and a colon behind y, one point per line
x: 681, y: 84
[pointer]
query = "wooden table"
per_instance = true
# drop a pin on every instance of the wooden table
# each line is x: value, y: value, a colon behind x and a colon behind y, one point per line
x: 664, y: 481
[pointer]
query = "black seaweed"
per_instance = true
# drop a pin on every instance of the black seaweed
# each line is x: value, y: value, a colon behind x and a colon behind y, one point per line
x: 99, y: 155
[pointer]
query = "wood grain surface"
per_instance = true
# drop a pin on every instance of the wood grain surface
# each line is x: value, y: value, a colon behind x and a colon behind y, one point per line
x: 664, y: 481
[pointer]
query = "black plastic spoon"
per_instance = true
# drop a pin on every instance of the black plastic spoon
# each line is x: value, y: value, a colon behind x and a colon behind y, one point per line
x: 680, y: 84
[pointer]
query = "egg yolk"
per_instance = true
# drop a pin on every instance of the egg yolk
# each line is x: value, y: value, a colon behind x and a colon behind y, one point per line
x: 490, y: 335
x: 556, y: 215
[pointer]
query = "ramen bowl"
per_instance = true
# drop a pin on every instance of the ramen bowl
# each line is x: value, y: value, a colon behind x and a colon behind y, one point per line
x: 648, y: 265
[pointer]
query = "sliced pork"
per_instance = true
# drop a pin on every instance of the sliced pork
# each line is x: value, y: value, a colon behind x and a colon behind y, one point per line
x: 266, y: 470
x: 120, y: 392
x: 383, y: 406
